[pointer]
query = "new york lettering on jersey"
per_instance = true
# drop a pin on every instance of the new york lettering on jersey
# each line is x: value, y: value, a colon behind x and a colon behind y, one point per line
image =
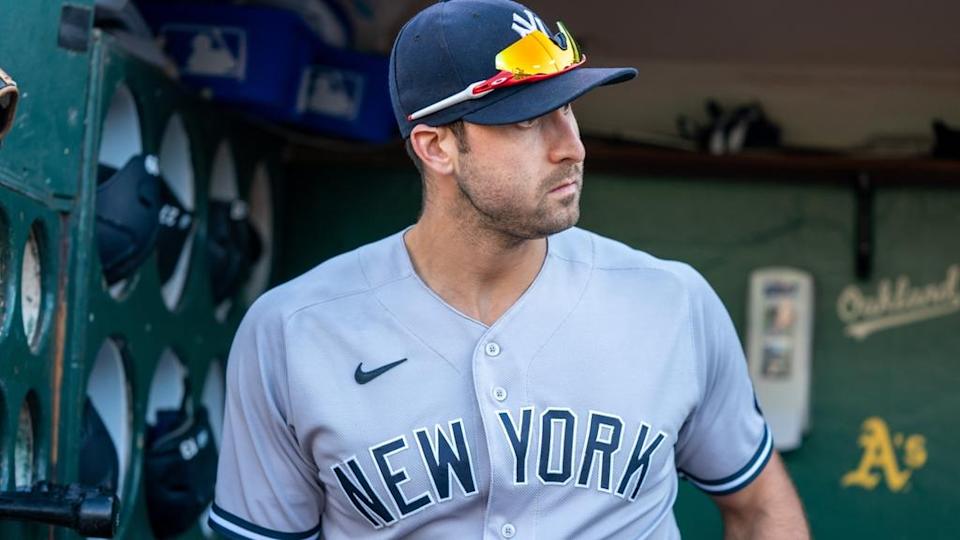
x: 446, y: 458
x: 577, y: 403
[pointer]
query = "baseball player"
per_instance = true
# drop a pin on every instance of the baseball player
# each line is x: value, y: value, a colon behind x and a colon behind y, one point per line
x: 491, y: 371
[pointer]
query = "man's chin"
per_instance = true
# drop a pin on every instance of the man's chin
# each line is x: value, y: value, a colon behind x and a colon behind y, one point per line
x: 560, y: 226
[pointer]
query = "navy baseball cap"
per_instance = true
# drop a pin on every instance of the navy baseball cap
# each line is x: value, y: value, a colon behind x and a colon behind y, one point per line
x: 454, y: 43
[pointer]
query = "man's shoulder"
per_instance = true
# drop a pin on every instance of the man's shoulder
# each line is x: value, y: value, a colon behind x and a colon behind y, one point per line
x: 343, y: 276
x: 607, y: 254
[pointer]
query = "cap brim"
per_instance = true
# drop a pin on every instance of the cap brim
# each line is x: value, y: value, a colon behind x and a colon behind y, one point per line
x: 536, y: 99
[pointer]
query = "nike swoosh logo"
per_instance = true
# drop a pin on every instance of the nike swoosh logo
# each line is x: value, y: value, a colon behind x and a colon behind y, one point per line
x: 363, y: 377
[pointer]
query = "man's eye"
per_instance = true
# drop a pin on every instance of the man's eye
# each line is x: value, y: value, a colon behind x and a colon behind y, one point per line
x: 528, y: 123
x: 566, y: 108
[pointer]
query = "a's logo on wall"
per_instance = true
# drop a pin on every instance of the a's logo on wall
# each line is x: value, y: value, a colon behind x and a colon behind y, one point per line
x: 898, y: 302
x: 880, y: 457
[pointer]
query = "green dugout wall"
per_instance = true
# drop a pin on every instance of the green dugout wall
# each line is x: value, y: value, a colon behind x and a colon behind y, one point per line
x: 728, y: 217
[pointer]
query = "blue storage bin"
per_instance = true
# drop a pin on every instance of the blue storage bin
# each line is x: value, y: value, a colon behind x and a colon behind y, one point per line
x: 241, y: 54
x: 346, y: 93
x: 269, y: 61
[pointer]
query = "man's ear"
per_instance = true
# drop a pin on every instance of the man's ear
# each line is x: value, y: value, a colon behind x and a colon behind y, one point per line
x: 436, y: 147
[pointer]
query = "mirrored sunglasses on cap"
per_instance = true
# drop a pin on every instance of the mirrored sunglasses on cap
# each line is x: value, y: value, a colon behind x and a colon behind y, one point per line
x: 532, y: 58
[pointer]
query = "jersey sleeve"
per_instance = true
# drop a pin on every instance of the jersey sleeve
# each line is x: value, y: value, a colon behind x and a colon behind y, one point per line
x: 725, y: 442
x: 267, y: 487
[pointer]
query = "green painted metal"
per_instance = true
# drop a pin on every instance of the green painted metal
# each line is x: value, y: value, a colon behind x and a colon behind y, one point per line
x: 140, y: 320
x: 42, y: 154
x: 79, y: 312
x: 39, y: 161
x: 905, y: 375
x: 28, y: 367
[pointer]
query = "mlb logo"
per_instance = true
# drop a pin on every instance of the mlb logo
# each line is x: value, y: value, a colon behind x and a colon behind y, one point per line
x: 207, y: 51
x: 333, y: 92
x: 249, y: 55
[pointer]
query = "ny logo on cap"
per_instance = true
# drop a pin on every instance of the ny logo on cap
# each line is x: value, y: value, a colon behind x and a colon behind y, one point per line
x: 525, y: 26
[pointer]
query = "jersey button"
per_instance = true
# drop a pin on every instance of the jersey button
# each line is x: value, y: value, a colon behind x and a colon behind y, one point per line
x: 499, y: 393
x: 492, y: 349
x: 508, y: 530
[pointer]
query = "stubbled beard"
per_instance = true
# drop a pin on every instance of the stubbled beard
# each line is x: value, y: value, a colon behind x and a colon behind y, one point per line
x: 519, y: 223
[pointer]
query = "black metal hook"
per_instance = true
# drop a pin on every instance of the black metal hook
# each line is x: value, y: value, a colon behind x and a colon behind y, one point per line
x: 864, y: 225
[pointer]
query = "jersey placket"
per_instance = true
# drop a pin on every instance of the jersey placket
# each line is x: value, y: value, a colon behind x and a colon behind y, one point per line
x: 498, y: 381
x: 501, y: 359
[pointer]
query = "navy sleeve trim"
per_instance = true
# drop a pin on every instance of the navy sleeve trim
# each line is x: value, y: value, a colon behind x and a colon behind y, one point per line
x: 237, y: 528
x: 741, y: 478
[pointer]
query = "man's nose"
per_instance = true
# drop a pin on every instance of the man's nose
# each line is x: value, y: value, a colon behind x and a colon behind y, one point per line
x: 565, y: 140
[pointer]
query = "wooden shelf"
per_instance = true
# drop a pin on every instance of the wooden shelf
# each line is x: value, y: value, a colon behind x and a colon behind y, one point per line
x: 639, y: 160
x: 609, y: 156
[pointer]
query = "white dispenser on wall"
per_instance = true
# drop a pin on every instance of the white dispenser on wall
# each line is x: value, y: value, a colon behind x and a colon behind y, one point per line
x: 779, y: 347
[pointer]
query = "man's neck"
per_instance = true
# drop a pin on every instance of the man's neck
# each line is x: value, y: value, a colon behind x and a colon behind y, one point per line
x: 479, y: 272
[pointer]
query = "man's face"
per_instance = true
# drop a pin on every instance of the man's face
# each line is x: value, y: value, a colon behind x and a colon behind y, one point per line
x: 523, y: 179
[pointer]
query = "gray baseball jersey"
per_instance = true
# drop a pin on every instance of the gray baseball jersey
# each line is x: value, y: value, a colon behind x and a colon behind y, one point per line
x: 361, y: 405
